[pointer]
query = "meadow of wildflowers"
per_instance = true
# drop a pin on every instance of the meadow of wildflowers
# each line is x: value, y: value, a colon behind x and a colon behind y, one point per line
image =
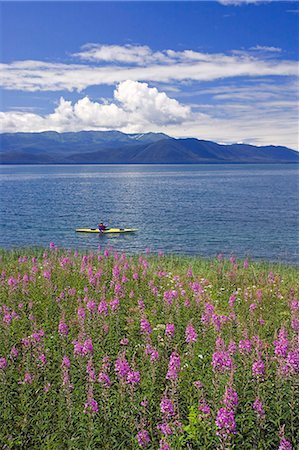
x: 107, y: 351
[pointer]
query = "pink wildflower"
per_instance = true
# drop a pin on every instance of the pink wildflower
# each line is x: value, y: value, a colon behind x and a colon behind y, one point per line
x: 190, y: 333
x: 258, y: 368
x: 143, y: 438
x: 203, y: 407
x: 103, y: 308
x: 225, y: 422
x: 145, y: 326
x: 87, y: 347
x: 91, y: 306
x: 91, y: 406
x: 169, y: 329
x: 285, y: 444
x: 81, y: 313
x: 222, y: 362
x: 149, y: 350
x: 258, y: 408
x: 281, y: 344
x: 165, y: 428
x: 104, y: 379
x: 28, y: 378
x: 122, y: 366
x: 3, y: 363
x: 293, y: 360
x: 252, y: 307
x: 230, y: 398
x: 166, y: 407
x: 133, y: 377
x: 63, y: 328
x: 164, y: 445
x: 14, y: 352
x: 173, y: 366
x: 245, y: 346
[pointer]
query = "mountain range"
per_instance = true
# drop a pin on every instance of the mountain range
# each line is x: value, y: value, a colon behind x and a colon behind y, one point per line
x: 115, y: 147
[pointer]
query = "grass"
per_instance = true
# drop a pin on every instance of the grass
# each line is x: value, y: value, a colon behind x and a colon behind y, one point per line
x: 105, y: 351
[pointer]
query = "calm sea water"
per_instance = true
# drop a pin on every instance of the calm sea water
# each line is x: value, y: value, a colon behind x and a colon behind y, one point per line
x: 246, y: 210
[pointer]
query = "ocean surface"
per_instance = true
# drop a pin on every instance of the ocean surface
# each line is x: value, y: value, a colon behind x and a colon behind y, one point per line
x: 245, y: 210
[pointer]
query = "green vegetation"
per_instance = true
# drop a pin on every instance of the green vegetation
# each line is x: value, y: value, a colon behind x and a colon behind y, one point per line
x: 105, y: 351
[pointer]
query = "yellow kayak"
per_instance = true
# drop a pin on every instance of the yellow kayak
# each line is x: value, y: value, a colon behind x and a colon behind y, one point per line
x: 108, y: 230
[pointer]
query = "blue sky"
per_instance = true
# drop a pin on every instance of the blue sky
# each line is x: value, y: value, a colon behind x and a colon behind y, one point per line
x: 223, y: 71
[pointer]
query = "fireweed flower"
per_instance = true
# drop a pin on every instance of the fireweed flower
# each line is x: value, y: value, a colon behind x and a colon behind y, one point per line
x: 190, y: 333
x: 141, y: 305
x: 65, y: 365
x: 285, y: 444
x: 244, y: 346
x: 293, y: 360
x: 230, y: 398
x: 294, y: 305
x: 252, y: 307
x: 198, y: 384
x: 122, y: 366
x: 28, y: 379
x: 295, y: 324
x: 145, y: 326
x: 104, y: 379
x: 91, y: 306
x: 133, y: 377
x: 225, y: 422
x: 258, y: 368
x: 165, y: 428
x: 232, y: 347
x: 222, y: 362
x: 42, y: 360
x: 166, y: 407
x: 164, y: 445
x: 3, y: 363
x: 232, y: 300
x: 219, y: 344
x: 143, y: 438
x: 114, y: 304
x: 203, y: 407
x: 169, y: 296
x: 63, y: 328
x: 258, y: 408
x: 47, y: 274
x: 154, y: 354
x: 169, y: 329
x: 173, y: 367
x: 81, y: 313
x: 90, y: 371
x: 78, y: 348
x: 103, y: 308
x: 281, y: 344
x: 14, y: 352
x: 91, y: 406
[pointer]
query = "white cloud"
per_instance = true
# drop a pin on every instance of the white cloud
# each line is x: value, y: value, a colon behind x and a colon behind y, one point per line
x: 240, y: 2
x: 240, y: 114
x: 129, y: 54
x: 136, y: 106
x: 145, y: 65
x: 265, y: 48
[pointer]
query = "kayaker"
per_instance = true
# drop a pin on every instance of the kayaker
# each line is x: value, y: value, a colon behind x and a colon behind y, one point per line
x: 101, y: 226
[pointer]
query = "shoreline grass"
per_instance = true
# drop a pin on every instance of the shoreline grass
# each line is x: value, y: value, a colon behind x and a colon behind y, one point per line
x: 103, y: 350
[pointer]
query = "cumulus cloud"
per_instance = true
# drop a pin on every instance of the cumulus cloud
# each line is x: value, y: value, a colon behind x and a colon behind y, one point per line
x: 139, y: 63
x: 135, y: 105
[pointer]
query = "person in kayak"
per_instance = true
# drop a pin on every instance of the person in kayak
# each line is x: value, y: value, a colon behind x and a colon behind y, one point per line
x: 101, y: 226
